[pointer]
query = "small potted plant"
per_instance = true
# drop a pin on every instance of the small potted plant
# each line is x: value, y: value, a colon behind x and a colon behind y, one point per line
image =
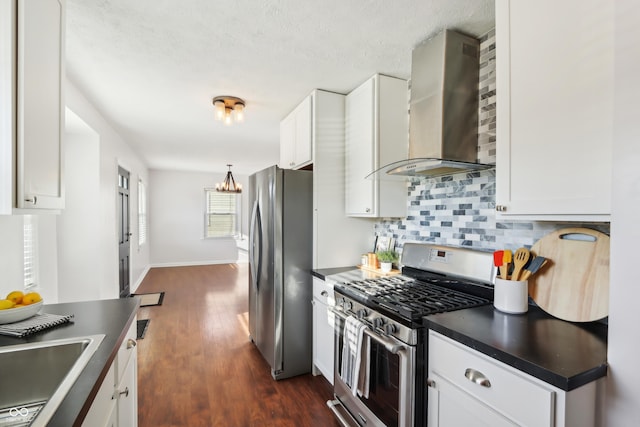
x: 386, y: 259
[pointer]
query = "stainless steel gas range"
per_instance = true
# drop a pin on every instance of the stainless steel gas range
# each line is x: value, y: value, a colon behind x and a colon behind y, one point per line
x: 380, y: 341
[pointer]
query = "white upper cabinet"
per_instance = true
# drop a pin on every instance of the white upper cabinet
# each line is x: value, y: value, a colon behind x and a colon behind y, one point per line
x: 554, y: 89
x: 377, y: 133
x: 295, y: 136
x: 32, y: 104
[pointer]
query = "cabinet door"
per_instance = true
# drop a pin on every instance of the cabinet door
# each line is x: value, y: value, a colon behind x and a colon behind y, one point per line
x: 323, y: 323
x: 127, y: 392
x: 323, y: 339
x: 103, y: 407
x: 296, y: 136
x: 287, y: 141
x: 304, y: 119
x: 451, y: 407
x: 40, y: 104
x: 360, y: 151
x: 554, y: 109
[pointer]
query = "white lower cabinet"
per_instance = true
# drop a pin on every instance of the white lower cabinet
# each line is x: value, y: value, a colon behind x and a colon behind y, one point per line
x: 103, y: 411
x: 127, y: 391
x: 466, y: 387
x: 323, y: 343
x: 116, y: 403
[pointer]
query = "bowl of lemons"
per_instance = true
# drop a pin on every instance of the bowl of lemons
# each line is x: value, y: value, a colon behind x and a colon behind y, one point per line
x: 19, y: 306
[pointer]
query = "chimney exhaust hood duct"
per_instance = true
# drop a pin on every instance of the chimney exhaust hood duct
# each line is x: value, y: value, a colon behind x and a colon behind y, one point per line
x: 443, y: 111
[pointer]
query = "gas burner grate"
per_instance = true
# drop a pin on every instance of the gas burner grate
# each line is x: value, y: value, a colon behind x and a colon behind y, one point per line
x: 417, y: 300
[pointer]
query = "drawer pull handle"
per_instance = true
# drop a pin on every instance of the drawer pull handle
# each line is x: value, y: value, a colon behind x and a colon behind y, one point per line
x: 125, y: 392
x: 131, y: 343
x: 324, y: 293
x: 477, y: 377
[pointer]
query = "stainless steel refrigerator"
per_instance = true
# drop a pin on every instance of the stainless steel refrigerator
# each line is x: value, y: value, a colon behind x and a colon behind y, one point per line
x: 280, y: 257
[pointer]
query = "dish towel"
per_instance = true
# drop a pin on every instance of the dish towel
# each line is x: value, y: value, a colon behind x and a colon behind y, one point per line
x: 34, y: 324
x: 351, y: 370
x: 365, y: 371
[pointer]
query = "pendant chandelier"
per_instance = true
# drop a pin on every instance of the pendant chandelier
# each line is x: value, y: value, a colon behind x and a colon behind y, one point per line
x: 229, y: 185
x: 228, y: 109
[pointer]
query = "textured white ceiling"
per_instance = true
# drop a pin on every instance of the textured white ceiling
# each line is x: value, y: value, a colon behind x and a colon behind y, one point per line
x: 152, y: 66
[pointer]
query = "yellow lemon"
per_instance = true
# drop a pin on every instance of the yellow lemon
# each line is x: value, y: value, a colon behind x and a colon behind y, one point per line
x: 30, y: 298
x: 15, y: 296
x: 5, y: 304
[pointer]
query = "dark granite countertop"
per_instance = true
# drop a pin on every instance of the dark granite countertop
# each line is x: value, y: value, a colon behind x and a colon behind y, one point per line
x: 109, y: 317
x: 322, y: 273
x: 564, y: 354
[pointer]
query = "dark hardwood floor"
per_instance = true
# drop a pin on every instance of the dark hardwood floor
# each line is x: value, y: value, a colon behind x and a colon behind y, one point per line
x: 197, y: 367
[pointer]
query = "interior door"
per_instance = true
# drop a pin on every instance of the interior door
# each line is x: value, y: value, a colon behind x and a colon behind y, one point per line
x: 123, y: 231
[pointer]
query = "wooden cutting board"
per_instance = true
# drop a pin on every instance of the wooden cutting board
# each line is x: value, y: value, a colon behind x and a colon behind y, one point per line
x: 574, y: 285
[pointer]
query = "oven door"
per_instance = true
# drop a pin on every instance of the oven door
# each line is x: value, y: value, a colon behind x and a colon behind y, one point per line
x: 391, y: 386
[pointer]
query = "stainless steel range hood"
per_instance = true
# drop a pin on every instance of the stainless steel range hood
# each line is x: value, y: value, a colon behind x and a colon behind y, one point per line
x: 443, y: 113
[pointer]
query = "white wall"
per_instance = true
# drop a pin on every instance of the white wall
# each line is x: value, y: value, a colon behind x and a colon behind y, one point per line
x: 78, y: 249
x: 176, y: 200
x: 113, y: 151
x: 623, y: 386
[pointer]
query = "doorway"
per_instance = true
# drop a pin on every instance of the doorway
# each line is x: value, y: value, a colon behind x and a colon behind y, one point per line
x: 124, y: 234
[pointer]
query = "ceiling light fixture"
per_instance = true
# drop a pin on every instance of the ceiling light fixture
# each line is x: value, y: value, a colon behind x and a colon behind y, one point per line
x: 229, y: 185
x: 228, y: 109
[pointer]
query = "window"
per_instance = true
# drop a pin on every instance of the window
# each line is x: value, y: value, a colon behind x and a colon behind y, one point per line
x: 30, y: 251
x: 142, y: 213
x: 222, y: 211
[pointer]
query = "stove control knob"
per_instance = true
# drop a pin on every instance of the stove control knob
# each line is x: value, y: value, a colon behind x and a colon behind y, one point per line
x: 347, y: 305
x: 389, y: 329
x: 362, y: 313
x: 378, y: 322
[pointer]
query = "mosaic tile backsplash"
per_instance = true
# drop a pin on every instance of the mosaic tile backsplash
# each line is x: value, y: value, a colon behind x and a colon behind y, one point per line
x: 459, y: 210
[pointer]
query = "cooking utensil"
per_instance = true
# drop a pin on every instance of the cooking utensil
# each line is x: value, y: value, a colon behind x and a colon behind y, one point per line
x: 536, y: 264
x: 507, y: 256
x: 575, y: 285
x: 497, y: 259
x: 520, y: 259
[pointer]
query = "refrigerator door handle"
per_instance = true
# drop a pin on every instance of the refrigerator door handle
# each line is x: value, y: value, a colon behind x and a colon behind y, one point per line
x: 255, y: 232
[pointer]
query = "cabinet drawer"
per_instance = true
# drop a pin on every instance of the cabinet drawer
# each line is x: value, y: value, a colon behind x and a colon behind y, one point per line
x: 515, y: 395
x: 127, y: 347
x: 323, y: 292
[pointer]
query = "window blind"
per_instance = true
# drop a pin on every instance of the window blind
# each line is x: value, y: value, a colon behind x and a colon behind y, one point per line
x: 221, y: 213
x: 29, y: 251
x: 142, y: 213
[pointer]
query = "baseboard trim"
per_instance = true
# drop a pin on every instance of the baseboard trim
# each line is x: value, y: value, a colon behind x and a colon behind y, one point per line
x: 140, y: 279
x: 193, y: 263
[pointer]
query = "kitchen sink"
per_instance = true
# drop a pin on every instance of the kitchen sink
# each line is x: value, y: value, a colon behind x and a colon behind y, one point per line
x: 36, y: 377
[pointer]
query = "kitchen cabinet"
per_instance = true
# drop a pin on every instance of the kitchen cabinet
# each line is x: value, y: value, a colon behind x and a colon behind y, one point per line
x: 295, y: 136
x: 116, y: 403
x: 323, y: 341
x: 466, y: 387
x: 377, y: 123
x: 103, y: 410
x: 31, y: 104
x: 554, y: 90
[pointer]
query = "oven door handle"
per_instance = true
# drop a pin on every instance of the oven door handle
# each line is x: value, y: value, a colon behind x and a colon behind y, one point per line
x: 391, y: 346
